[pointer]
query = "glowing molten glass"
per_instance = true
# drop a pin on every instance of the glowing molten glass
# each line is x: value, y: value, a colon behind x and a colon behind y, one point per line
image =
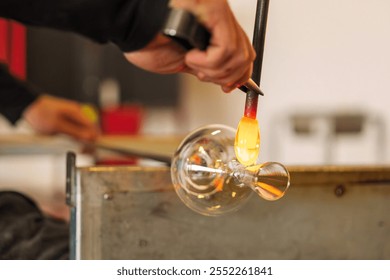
x: 247, y: 141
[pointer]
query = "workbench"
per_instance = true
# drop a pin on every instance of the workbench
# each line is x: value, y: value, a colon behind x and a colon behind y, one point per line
x: 132, y: 212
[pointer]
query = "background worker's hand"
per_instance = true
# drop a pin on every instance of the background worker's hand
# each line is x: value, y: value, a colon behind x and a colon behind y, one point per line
x: 52, y: 115
x: 228, y: 59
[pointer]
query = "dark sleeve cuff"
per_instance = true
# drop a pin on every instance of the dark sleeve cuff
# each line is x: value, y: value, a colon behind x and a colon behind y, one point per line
x: 144, y: 22
x: 15, y: 96
x: 130, y: 24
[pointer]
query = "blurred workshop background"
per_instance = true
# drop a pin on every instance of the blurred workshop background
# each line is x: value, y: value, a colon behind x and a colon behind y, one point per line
x: 326, y: 79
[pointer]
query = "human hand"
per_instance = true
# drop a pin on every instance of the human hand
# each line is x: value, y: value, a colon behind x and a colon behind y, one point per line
x: 228, y: 59
x: 52, y: 115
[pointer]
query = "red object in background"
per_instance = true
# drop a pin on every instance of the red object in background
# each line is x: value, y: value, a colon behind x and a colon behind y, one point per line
x: 3, y: 41
x: 121, y: 120
x: 17, y: 62
x: 13, y: 47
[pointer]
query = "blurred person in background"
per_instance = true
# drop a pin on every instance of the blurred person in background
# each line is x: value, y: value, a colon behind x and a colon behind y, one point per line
x: 25, y: 231
x: 46, y: 114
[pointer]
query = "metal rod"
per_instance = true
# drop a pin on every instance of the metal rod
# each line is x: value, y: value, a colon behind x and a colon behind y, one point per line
x: 259, y: 38
x: 128, y: 152
x: 251, y: 102
x: 250, y: 85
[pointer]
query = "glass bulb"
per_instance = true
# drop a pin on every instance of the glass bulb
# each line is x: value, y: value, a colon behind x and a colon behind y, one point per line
x: 209, y: 180
x: 200, y: 175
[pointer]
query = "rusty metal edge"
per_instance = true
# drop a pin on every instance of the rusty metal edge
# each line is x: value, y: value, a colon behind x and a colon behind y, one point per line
x: 300, y: 175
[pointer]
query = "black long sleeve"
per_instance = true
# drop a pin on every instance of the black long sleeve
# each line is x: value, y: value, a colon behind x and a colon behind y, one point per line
x: 130, y: 24
x: 15, y: 95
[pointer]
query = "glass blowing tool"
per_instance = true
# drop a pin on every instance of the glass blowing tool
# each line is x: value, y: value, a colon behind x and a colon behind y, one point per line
x: 247, y: 142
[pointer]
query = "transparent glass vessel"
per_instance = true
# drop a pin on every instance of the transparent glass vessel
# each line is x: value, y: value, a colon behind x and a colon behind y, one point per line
x: 209, y: 180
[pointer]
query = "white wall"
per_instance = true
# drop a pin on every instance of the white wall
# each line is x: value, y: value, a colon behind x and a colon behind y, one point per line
x: 328, y: 55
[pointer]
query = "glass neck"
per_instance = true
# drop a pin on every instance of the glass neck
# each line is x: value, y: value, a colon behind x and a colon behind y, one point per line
x: 262, y: 179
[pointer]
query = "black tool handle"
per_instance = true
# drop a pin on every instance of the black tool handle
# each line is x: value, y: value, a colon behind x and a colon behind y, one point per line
x: 183, y: 27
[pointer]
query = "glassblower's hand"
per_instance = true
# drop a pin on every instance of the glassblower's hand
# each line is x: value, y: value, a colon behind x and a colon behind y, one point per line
x: 51, y: 115
x: 227, y: 61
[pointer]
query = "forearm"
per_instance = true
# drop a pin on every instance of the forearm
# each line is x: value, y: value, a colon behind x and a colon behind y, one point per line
x: 130, y: 24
